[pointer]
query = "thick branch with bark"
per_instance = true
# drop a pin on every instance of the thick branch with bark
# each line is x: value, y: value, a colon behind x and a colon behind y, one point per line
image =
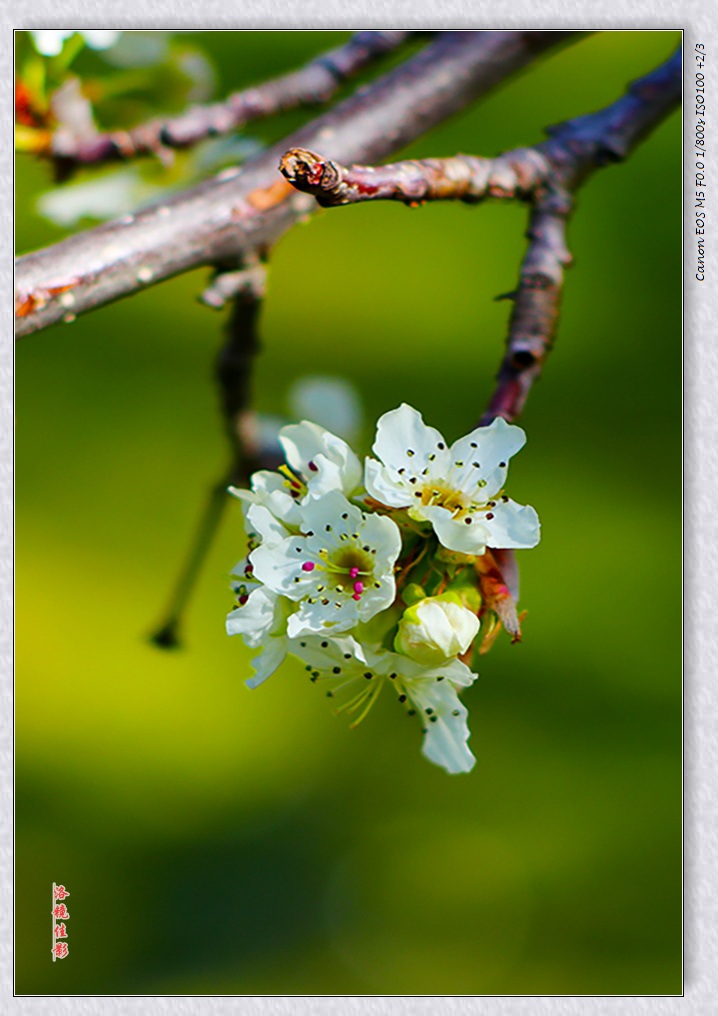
x: 311, y: 85
x: 241, y: 213
x: 545, y: 175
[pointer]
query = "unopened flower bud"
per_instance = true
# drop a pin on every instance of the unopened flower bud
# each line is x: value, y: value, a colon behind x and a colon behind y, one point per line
x: 436, y: 629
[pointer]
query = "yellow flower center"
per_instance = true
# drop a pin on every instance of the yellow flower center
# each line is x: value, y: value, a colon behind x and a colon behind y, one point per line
x: 444, y: 497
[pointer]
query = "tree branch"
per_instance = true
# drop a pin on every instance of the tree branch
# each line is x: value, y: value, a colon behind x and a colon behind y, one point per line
x: 242, y: 212
x: 575, y: 150
x: 313, y: 84
x: 545, y: 175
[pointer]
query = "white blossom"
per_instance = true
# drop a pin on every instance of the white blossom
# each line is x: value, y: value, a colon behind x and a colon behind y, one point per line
x: 324, y: 461
x: 49, y: 42
x: 435, y: 629
x: 429, y: 692
x: 459, y: 490
x: 319, y: 462
x: 330, y: 579
x: 339, y: 568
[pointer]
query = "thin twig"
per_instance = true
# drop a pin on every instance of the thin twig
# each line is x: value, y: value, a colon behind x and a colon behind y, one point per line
x: 460, y: 178
x: 240, y: 212
x: 168, y: 633
x: 234, y: 374
x: 311, y: 85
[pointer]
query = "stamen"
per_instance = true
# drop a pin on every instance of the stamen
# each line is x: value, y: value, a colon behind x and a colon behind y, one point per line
x: 353, y: 572
x: 308, y: 566
x: 359, y: 587
x: 372, y: 699
x: 293, y: 481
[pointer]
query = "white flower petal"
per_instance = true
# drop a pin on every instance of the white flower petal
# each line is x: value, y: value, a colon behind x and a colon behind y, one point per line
x: 325, y: 653
x: 279, y: 566
x: 386, y: 487
x: 493, y: 445
x: 457, y: 534
x: 446, y: 730
x: 261, y: 522
x: 324, y: 460
x: 255, y: 619
x: 513, y: 526
x: 403, y: 441
x: 320, y: 617
x: 272, y: 655
x: 324, y: 517
x: 49, y: 42
x: 434, y: 689
x: 271, y: 490
x: 376, y: 597
x: 332, y: 402
x: 383, y: 536
x: 100, y: 38
x: 458, y: 673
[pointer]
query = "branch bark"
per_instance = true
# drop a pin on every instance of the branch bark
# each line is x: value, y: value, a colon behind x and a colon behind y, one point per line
x: 545, y: 175
x: 311, y: 85
x: 240, y: 213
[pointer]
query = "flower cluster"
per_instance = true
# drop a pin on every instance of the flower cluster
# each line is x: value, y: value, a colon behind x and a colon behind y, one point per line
x: 384, y: 574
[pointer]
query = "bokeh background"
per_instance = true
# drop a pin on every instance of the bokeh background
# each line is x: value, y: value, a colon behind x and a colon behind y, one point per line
x: 226, y: 841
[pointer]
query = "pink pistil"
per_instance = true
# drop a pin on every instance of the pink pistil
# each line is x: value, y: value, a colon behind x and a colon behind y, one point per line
x: 353, y: 572
x: 308, y: 566
x: 356, y: 596
x: 359, y: 588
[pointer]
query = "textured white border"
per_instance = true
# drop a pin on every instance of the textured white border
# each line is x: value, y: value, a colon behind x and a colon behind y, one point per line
x: 701, y: 384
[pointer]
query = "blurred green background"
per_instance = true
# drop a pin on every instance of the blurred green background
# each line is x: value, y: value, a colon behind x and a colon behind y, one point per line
x: 220, y: 840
